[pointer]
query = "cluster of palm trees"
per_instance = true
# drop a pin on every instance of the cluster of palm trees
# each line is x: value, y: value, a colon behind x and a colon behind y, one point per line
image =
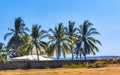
x: 62, y: 40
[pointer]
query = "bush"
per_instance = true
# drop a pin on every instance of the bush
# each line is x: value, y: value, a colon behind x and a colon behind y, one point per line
x: 74, y: 66
x: 95, y: 65
x: 85, y: 65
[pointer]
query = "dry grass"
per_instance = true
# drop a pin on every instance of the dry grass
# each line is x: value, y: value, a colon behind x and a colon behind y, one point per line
x: 110, y: 70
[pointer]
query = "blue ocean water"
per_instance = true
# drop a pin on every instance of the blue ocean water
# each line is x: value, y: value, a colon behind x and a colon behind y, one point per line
x: 89, y: 58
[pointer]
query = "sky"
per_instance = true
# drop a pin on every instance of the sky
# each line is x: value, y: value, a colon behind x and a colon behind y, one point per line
x: 104, y: 14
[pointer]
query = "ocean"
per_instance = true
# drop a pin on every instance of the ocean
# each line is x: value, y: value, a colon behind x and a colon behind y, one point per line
x: 89, y: 58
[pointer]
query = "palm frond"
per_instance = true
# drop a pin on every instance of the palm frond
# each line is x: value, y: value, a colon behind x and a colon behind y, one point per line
x: 8, y: 34
x: 94, y: 40
x: 10, y: 29
x: 26, y: 29
x: 42, y: 32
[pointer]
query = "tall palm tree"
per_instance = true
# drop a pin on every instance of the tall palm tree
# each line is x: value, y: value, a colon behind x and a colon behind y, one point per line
x: 58, y: 41
x: 16, y: 33
x: 71, y: 33
x: 86, y: 42
x: 35, y: 41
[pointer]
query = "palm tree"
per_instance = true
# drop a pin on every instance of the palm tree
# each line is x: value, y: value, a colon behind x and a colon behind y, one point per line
x: 71, y: 33
x: 58, y: 41
x: 17, y: 32
x: 86, y: 42
x: 1, y: 46
x: 35, y: 41
x: 3, y: 53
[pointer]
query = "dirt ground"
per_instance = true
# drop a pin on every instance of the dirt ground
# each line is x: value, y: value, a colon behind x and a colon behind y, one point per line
x: 110, y: 70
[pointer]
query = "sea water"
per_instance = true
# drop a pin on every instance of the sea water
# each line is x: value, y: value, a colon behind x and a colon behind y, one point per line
x: 89, y: 58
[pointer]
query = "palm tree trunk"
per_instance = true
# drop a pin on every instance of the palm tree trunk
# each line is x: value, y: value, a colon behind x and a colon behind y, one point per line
x: 80, y: 56
x: 77, y: 56
x: 85, y: 57
x: 37, y: 54
x: 57, y: 54
x: 72, y: 56
x: 57, y: 57
x: 72, y: 53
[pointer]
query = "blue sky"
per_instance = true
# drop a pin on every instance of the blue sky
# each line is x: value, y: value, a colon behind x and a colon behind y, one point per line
x: 104, y: 14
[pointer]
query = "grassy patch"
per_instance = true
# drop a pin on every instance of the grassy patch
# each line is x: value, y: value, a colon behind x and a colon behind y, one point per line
x: 96, y: 65
x: 85, y: 65
x: 74, y: 66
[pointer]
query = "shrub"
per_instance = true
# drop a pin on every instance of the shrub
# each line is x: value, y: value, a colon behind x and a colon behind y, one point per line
x: 74, y: 66
x: 85, y: 65
x: 96, y: 65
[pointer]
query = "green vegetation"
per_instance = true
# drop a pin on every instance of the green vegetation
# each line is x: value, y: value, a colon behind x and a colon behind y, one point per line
x: 35, y: 41
x: 17, y: 32
x: 71, y: 32
x: 61, y: 40
x: 85, y: 65
x: 58, y: 41
x: 86, y: 43
x: 3, y: 54
x: 74, y: 66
